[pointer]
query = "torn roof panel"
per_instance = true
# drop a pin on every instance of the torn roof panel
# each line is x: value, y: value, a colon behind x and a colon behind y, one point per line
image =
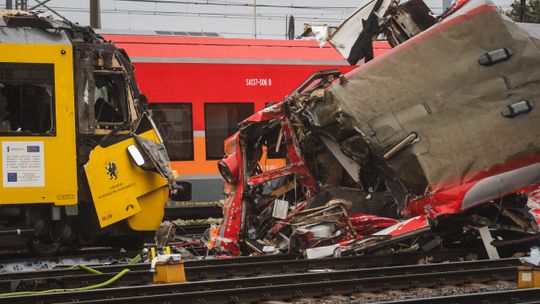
x: 438, y: 89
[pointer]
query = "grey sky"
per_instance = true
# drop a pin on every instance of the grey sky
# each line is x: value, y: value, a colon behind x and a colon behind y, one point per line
x: 230, y: 18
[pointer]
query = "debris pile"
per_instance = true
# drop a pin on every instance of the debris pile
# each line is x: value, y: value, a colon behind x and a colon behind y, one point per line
x: 432, y: 145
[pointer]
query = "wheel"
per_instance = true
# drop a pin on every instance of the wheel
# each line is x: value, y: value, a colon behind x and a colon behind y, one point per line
x: 44, y: 248
x: 51, y: 242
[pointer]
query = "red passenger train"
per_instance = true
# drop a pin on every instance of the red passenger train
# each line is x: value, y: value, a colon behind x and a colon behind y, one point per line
x: 200, y: 88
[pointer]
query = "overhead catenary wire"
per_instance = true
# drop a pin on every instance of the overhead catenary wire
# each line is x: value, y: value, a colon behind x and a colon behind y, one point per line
x: 196, y: 14
x: 239, y: 4
x: 327, y: 10
x: 326, y: 13
x: 309, y: 17
x: 344, y: 9
x: 329, y: 14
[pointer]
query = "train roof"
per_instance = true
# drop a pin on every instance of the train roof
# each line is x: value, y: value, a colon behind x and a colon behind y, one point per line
x: 188, y: 49
x: 21, y: 27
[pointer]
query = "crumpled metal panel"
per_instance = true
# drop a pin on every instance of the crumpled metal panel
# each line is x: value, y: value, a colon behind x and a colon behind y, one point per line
x: 438, y: 134
x: 350, y: 40
x: 433, y: 85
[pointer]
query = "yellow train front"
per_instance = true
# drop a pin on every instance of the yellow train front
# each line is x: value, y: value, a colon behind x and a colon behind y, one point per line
x: 81, y: 162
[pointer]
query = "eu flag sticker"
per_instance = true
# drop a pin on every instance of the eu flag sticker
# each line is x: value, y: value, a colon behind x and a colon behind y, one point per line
x: 32, y: 148
x: 12, y: 177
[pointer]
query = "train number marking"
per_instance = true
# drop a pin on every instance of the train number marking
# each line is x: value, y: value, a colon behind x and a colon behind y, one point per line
x: 258, y: 82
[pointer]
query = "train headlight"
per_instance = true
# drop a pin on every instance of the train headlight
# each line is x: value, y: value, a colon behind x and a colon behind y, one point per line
x: 136, y: 155
x: 228, y: 167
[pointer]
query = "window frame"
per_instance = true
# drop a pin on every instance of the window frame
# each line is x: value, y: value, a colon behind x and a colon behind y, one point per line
x: 53, y: 127
x: 151, y: 106
x: 273, y: 154
x: 103, y: 125
x: 206, y: 104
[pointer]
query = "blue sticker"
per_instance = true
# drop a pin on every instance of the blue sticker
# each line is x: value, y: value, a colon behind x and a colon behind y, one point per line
x: 12, y: 177
x: 32, y: 148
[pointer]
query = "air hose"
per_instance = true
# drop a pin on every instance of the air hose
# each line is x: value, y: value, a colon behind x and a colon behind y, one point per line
x: 96, y: 286
x: 83, y: 267
x: 88, y: 269
x: 135, y: 259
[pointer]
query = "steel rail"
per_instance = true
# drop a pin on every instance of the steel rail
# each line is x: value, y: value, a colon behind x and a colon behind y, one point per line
x: 210, y: 269
x: 287, y: 287
x: 298, y: 266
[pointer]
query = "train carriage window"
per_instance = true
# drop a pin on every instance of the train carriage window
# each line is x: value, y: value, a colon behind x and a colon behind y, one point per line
x: 221, y: 121
x: 174, y: 122
x: 26, y: 99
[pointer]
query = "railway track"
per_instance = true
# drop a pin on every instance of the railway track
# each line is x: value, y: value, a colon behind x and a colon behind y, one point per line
x: 197, y: 270
x: 294, y: 286
x: 99, y: 256
x: 104, y: 254
x: 115, y: 268
x: 529, y: 296
x: 88, y: 253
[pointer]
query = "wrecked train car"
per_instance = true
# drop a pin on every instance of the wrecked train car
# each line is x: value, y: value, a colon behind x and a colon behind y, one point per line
x: 433, y: 144
x: 82, y: 162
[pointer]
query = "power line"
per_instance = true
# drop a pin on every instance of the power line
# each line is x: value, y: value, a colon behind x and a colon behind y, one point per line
x: 238, y: 4
x: 328, y: 14
x: 324, y: 10
x: 210, y: 15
